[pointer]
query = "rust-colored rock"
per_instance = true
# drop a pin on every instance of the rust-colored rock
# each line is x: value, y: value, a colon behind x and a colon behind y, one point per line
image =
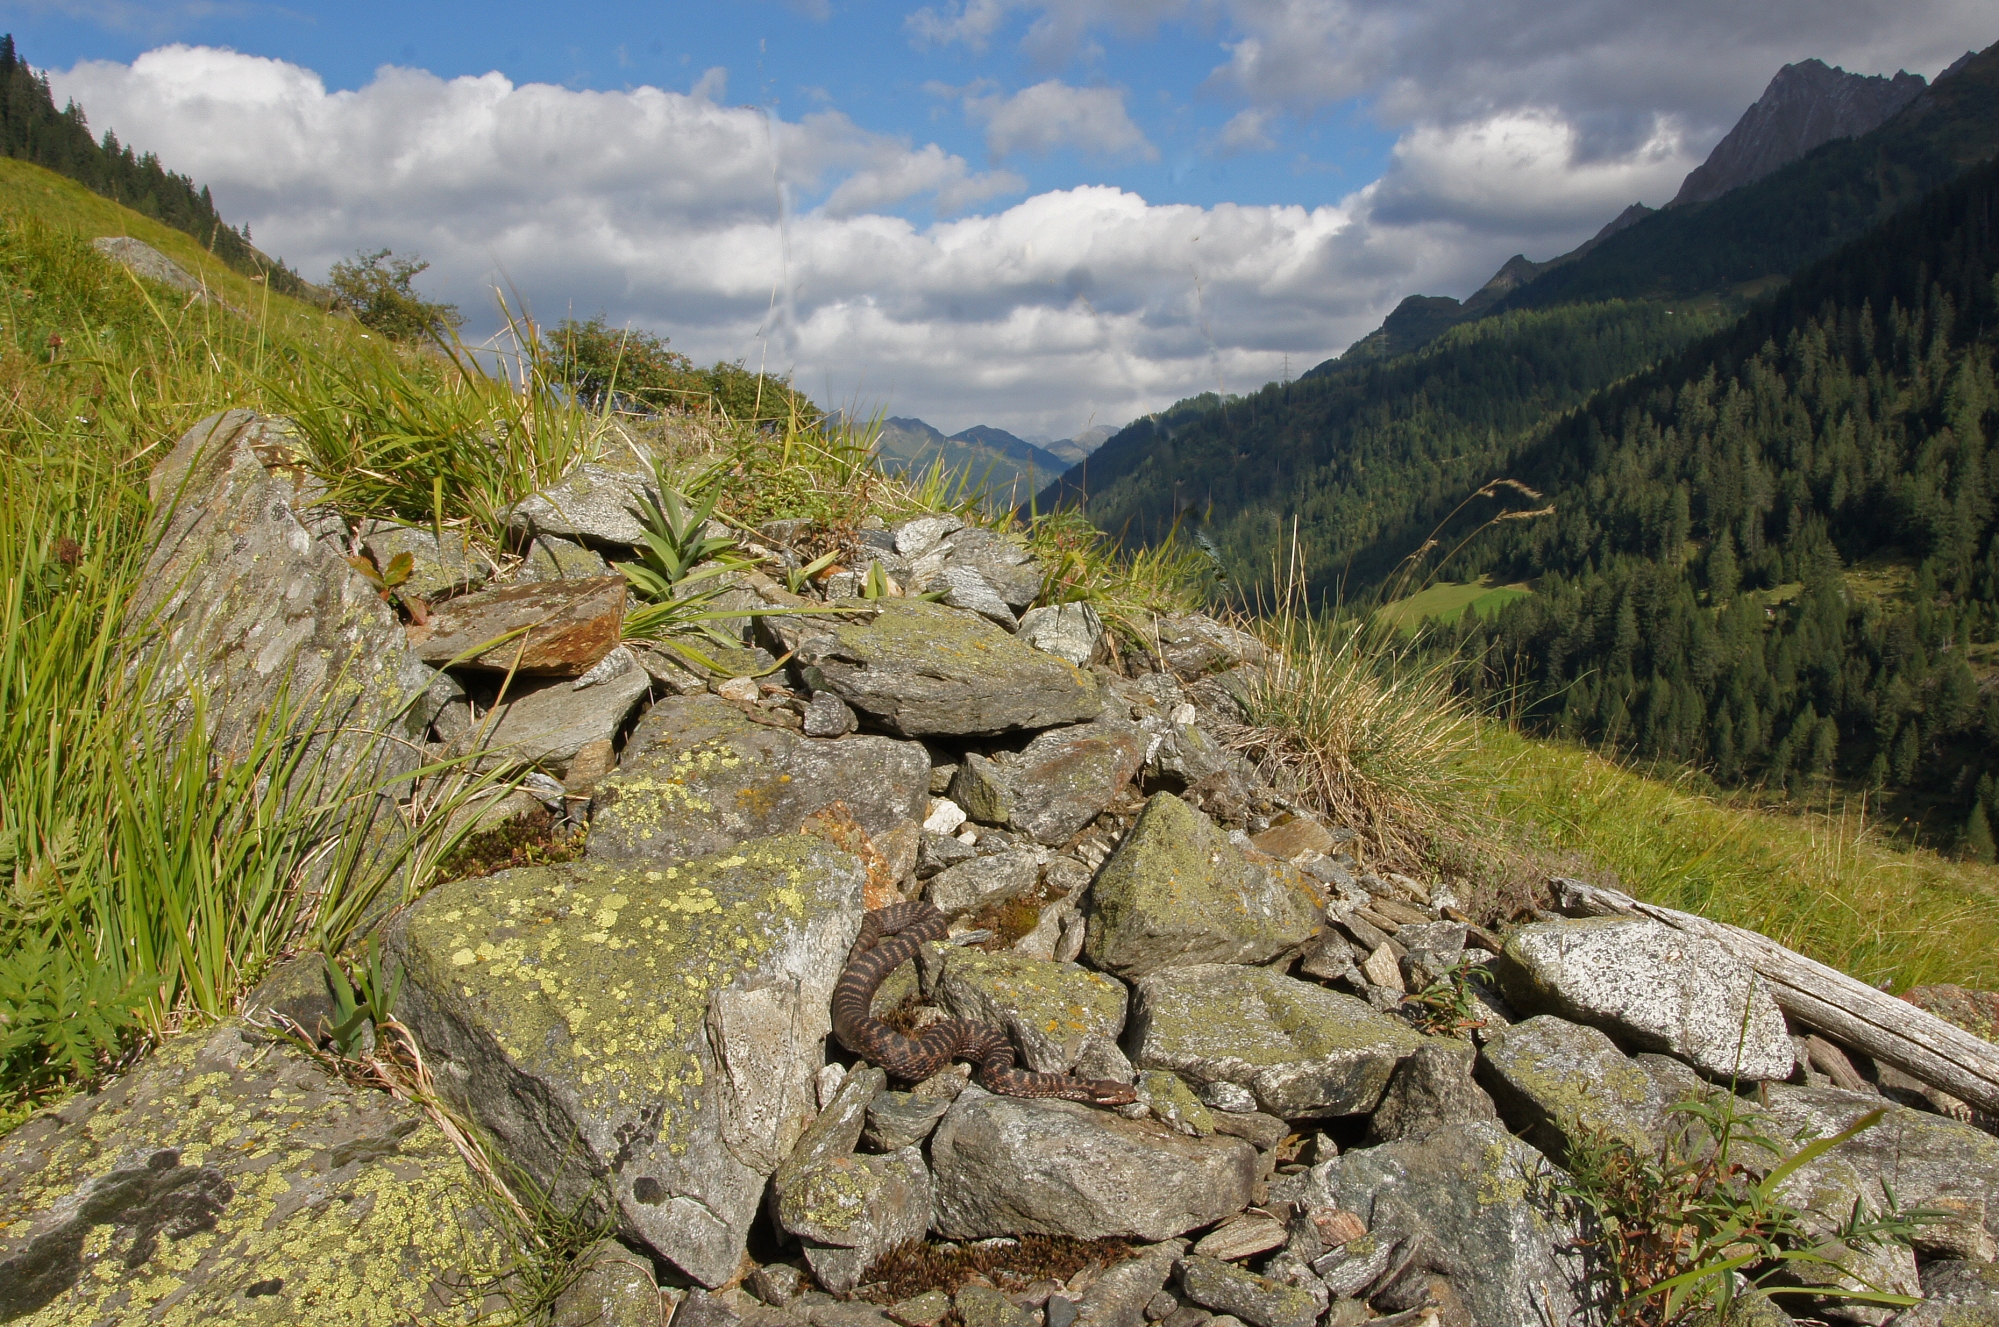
x: 570, y: 627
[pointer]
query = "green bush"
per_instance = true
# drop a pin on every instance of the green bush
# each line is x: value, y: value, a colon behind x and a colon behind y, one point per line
x: 376, y: 288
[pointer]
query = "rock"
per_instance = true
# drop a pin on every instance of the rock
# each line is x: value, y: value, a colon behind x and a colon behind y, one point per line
x: 436, y: 569
x: 1294, y: 838
x: 592, y: 503
x: 835, y: 1132
x: 1174, y: 1104
x: 983, y: 1306
x: 920, y: 669
x: 549, y: 724
x: 1432, y: 1089
x: 228, y: 1177
x: 246, y: 594
x: 1068, y: 631
x: 1382, y: 969
x: 778, y: 1283
x: 1956, y: 1293
x: 1185, y: 755
x: 142, y: 259
x: 1660, y: 989
x: 905, y: 1119
x: 1552, y: 1077
x: 1009, y: 1165
x: 915, y: 538
x: 1260, y: 1131
x: 615, y: 1288
x: 944, y: 818
x: 850, y: 1210
x: 1227, y: 1096
x: 1927, y: 1160
x: 650, y: 1032
x: 1194, y: 645
x: 1177, y: 892
x: 1472, y: 1204
x: 940, y: 852
x: 563, y: 628
x: 1118, y: 1296
x: 1304, y: 1051
x: 742, y: 690
x: 829, y: 716
x: 1059, y: 1311
x: 547, y: 558
x: 924, y: 1310
x: 1885, y: 1267
x: 1243, y: 1294
x: 1976, y: 1012
x: 984, y: 788
x: 699, y: 776
x: 1066, y: 777
x: 1001, y: 560
x: 1243, y: 1237
x: 965, y: 588
x: 983, y: 881
x: 1050, y: 1009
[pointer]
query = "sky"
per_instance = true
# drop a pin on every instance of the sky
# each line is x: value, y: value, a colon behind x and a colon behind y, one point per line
x: 1034, y: 214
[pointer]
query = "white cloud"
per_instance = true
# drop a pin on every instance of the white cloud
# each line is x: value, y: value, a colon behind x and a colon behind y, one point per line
x: 1052, y: 115
x: 1247, y: 131
x: 713, y: 85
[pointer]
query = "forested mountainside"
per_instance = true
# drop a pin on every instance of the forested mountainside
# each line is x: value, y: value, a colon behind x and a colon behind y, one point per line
x: 1775, y: 555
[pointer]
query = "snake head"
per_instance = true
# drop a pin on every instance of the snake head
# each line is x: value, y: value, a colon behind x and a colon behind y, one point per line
x: 1106, y: 1092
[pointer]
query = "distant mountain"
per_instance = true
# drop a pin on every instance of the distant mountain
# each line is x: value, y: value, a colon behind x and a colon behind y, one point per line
x: 992, y: 459
x: 1075, y: 449
x: 1805, y: 105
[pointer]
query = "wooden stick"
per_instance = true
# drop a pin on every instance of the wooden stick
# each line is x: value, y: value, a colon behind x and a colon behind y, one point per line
x: 1848, y: 1011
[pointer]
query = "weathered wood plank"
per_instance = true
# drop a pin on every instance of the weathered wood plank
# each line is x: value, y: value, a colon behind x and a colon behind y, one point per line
x: 1848, y: 1011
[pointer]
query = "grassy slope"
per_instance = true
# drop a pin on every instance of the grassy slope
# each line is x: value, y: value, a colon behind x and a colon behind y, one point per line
x: 1446, y: 600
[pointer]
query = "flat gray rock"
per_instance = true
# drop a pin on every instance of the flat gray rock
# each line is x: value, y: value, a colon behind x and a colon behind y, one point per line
x: 848, y: 1211
x: 1117, y: 1298
x: 1011, y: 1165
x: 614, y: 1288
x: 1052, y: 1010
x: 647, y: 1031
x: 1432, y: 1089
x: 1057, y: 785
x: 1956, y: 1293
x: 1304, y: 1051
x: 921, y: 669
x: 975, y: 884
x: 591, y: 503
x: 547, y: 723
x: 1553, y: 1077
x: 1177, y: 892
x: 699, y: 775
x: 1242, y: 1294
x: 1068, y: 631
x: 1658, y: 988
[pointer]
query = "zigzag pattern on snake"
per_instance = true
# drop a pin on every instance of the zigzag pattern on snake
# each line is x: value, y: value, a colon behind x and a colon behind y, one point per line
x: 889, y: 938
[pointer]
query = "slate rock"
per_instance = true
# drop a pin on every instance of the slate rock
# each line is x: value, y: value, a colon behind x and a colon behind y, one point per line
x: 965, y: 588
x: 1010, y: 1165
x: 229, y: 1178
x: 246, y: 592
x: 566, y: 628
x: 1552, y: 1078
x: 653, y: 1031
x: 921, y: 669
x: 1068, y: 631
x: 1472, y: 1204
x: 848, y: 1211
x: 437, y: 568
x: 1117, y: 1298
x: 1297, y: 837
x: 614, y: 1288
x: 1260, y: 1131
x: 983, y: 881
x: 1242, y: 1237
x: 829, y: 716
x: 547, y: 558
x: 592, y: 503
x: 1242, y: 1294
x: 1432, y: 1089
x: 1658, y: 988
x: 1304, y: 1051
x: 1051, y: 1010
x: 1067, y: 776
x: 548, y: 724
x: 904, y: 1119
x: 1194, y: 645
x: 699, y: 775
x: 983, y: 1306
x: 1176, y: 892
x: 1001, y: 559
x: 1174, y: 1104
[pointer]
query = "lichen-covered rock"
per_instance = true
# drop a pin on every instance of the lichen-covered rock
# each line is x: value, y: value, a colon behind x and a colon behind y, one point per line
x: 613, y: 1288
x: 1057, y: 785
x: 1956, y: 1293
x: 1174, y: 1104
x: 1554, y: 1078
x: 1051, y: 1009
x: 436, y: 567
x: 922, y: 669
x: 848, y: 1211
x: 1658, y: 988
x: 904, y: 1119
x: 247, y: 597
x: 1177, y: 892
x: 230, y: 1178
x: 1977, y: 1012
x: 1068, y: 631
x: 146, y: 261
x: 1303, y: 1050
x: 1193, y: 645
x: 653, y: 1031
x: 548, y: 558
x: 982, y: 881
x: 1474, y: 1205
x: 1241, y: 1293
x: 1009, y: 1165
x: 699, y: 776
x: 983, y: 1306
x: 1117, y: 1298
x: 594, y: 503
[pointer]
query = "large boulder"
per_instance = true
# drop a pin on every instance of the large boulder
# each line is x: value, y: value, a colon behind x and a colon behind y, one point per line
x: 1956, y: 1293
x: 699, y: 776
x: 1052, y: 1010
x: 248, y: 600
x: 1177, y: 892
x: 1476, y: 1206
x: 1055, y: 787
x: 229, y: 1177
x: 1012, y: 1165
x: 1304, y: 1051
x: 921, y: 669
x: 1555, y: 1079
x: 646, y: 1032
x: 1656, y: 988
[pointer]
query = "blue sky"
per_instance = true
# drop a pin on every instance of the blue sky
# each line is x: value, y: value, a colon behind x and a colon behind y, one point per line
x: 1031, y: 213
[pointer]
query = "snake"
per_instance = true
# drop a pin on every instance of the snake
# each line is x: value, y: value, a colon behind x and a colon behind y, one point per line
x: 891, y: 937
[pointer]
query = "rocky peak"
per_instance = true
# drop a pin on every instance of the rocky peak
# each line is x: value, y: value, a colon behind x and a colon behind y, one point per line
x: 1805, y: 105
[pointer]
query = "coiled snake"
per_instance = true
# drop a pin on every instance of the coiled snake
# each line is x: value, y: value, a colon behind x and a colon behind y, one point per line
x: 889, y: 938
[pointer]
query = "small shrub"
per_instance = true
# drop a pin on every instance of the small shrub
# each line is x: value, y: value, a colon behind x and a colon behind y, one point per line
x: 376, y: 288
